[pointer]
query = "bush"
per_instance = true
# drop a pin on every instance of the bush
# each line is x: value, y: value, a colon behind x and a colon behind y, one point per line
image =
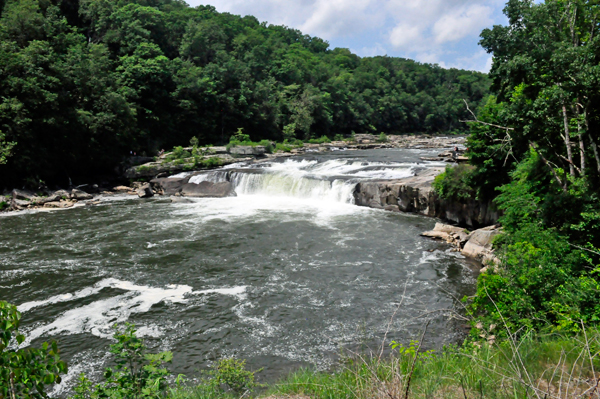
x: 338, y: 137
x: 137, y: 374
x: 321, y: 140
x: 25, y: 373
x: 3, y: 205
x: 232, y: 373
x: 268, y: 146
x: 382, y: 138
x: 455, y: 183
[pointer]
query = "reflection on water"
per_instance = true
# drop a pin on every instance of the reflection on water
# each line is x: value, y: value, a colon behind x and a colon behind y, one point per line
x: 281, y: 277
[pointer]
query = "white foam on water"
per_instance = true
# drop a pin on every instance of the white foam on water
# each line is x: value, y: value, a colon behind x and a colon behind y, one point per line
x: 97, y: 317
x: 21, y: 284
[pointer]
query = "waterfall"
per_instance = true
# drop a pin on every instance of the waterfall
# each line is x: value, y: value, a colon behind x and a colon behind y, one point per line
x: 333, y: 180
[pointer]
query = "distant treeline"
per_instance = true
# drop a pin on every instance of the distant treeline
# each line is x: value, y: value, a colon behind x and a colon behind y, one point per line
x: 84, y: 82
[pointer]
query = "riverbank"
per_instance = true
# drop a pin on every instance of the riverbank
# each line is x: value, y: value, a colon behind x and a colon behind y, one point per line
x: 138, y: 171
x: 532, y: 367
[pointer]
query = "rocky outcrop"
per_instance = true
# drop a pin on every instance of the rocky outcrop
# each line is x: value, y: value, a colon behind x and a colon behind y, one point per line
x: 257, y: 151
x: 416, y: 194
x: 479, y: 245
x: 454, y: 235
x: 476, y: 245
x: 145, y: 191
x: 182, y: 187
x: 168, y: 185
x: 207, y: 189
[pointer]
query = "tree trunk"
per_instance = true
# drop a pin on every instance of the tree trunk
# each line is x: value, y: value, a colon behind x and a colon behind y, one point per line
x: 592, y: 142
x: 580, y: 133
x: 568, y: 141
x: 595, y: 148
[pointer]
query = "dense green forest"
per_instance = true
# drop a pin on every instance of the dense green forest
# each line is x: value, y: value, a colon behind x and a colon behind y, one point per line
x: 534, y: 151
x: 84, y: 82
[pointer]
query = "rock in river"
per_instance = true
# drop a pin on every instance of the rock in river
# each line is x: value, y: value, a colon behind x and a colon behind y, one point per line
x: 208, y: 190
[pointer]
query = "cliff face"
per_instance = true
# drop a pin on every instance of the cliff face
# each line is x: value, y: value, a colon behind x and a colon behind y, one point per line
x: 416, y: 194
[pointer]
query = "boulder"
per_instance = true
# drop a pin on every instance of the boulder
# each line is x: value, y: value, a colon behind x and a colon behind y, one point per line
x: 247, y: 150
x: 145, y: 191
x: 80, y: 195
x: 182, y: 200
x: 479, y: 245
x: 207, y: 189
x: 58, y: 204
x: 168, y: 185
x: 22, y: 195
x: 437, y: 234
x: 122, y: 189
x: 20, y: 203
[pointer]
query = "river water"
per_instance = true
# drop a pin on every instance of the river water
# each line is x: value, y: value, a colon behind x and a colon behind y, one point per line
x: 287, y: 274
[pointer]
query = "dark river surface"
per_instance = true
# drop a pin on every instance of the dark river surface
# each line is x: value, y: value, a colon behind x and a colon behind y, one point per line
x: 286, y: 274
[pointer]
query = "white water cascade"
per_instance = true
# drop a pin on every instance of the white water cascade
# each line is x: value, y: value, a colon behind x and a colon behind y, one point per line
x: 331, y: 181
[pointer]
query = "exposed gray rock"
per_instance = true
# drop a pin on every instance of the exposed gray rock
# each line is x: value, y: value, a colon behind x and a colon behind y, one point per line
x: 454, y: 235
x: 480, y: 242
x: 58, y: 204
x: 80, y: 195
x: 168, y: 185
x: 415, y: 194
x: 145, y: 191
x: 182, y: 200
x: 217, y: 150
x: 22, y: 195
x: 21, y: 203
x: 247, y: 150
x: 207, y: 189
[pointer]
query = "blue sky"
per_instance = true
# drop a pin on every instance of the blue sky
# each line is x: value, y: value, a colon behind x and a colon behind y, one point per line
x: 445, y: 32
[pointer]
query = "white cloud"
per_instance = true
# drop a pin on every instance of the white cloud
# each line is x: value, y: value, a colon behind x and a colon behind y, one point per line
x: 462, y: 22
x: 434, y: 31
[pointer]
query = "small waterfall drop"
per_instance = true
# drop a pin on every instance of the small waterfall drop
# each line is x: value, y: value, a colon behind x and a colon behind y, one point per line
x: 333, y: 180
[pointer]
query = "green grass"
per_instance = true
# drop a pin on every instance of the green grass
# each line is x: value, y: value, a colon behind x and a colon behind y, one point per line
x: 547, y: 366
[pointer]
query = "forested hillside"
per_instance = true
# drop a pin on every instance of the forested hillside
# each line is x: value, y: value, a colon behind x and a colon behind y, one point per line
x: 84, y: 82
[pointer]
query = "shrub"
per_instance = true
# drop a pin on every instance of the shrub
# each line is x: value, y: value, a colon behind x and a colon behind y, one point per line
x: 321, y: 140
x: 212, y: 162
x: 194, y: 141
x: 3, y: 205
x: 454, y: 183
x: 25, y: 373
x: 232, y: 373
x: 338, y: 137
x: 178, y: 153
x: 283, y: 147
x: 268, y: 145
x: 137, y: 374
x: 382, y: 138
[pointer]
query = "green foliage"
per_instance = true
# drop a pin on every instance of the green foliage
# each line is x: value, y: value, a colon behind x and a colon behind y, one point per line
x: 5, y: 148
x: 455, y: 183
x: 268, y: 146
x: 338, y: 137
x: 25, y: 373
x: 239, y: 138
x: 548, y: 279
x: 194, y: 141
x: 137, y: 373
x: 3, y: 205
x: 232, y: 374
x: 320, y: 140
x: 83, y: 88
x: 497, y: 370
x: 383, y: 138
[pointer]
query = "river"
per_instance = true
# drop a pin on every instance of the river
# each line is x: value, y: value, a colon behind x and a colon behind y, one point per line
x: 286, y: 274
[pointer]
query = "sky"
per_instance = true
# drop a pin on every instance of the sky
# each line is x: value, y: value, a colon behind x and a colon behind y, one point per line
x: 444, y: 32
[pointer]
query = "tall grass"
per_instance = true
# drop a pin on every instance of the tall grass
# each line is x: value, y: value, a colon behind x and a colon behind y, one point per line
x: 532, y: 367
